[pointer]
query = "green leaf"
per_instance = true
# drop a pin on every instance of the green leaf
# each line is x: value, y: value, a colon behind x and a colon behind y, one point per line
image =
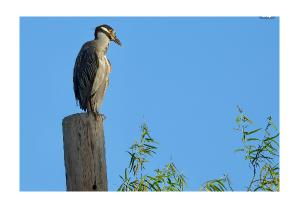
x: 272, y: 138
x: 132, y: 159
x: 239, y: 150
x: 247, y: 119
x: 152, y: 147
x: 244, y: 137
x: 249, y: 157
x: 275, y: 142
x: 252, y: 151
x: 221, y: 184
x: 169, y: 180
x: 249, y: 133
x: 215, y: 188
x: 149, y: 140
x: 253, y: 139
x: 157, y: 185
x: 271, y: 151
x: 126, y: 176
x: 151, y: 185
x: 271, y: 147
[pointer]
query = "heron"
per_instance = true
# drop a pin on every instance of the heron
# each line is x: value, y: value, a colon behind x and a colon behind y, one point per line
x: 92, y: 69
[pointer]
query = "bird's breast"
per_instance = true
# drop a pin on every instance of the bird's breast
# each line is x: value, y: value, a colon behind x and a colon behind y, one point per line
x: 107, y: 64
x: 103, y: 70
x: 104, y: 64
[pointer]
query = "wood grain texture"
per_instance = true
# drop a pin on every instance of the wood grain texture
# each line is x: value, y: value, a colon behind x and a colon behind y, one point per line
x: 84, y: 153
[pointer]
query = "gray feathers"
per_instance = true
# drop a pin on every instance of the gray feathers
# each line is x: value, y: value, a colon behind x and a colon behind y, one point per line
x: 86, y: 67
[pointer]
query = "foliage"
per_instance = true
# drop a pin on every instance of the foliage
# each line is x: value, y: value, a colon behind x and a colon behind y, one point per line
x: 217, y: 185
x: 261, y: 153
x: 165, y: 179
x: 259, y: 146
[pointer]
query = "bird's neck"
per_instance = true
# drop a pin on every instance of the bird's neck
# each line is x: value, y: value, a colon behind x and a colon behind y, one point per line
x: 102, y: 42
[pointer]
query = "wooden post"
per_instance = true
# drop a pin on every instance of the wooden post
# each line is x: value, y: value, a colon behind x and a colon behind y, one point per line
x: 84, y: 153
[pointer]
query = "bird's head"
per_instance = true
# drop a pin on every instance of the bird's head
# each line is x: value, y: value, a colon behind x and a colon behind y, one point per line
x: 109, y: 32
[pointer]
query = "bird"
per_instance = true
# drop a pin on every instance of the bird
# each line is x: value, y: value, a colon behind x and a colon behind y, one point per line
x: 92, y: 69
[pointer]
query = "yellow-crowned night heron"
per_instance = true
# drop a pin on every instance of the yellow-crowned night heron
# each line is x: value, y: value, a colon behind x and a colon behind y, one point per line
x: 92, y: 68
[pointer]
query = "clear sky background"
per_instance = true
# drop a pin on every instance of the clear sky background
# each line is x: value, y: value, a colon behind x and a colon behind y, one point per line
x: 182, y: 76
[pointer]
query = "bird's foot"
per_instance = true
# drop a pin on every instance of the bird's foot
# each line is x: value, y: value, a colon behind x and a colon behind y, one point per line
x: 102, y: 116
x: 98, y: 116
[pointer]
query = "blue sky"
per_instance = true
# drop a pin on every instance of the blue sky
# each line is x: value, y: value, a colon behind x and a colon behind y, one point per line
x: 183, y: 76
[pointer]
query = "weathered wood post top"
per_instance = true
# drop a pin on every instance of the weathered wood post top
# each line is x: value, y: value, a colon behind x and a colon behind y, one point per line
x: 84, y: 153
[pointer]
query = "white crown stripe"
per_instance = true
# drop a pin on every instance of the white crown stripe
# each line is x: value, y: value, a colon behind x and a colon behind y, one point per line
x: 105, y: 29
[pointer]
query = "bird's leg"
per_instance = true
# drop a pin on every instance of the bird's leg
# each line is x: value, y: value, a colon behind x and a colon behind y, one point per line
x: 96, y: 115
x: 89, y: 107
x: 88, y: 112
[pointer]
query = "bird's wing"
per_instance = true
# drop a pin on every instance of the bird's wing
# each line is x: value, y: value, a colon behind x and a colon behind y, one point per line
x: 85, y: 69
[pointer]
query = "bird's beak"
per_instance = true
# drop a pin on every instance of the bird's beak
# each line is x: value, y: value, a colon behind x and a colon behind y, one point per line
x: 117, y: 41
